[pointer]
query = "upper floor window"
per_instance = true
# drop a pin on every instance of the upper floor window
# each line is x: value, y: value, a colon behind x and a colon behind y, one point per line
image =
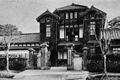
x: 75, y: 14
x: 67, y: 16
x: 80, y: 32
x: 92, y: 28
x: 62, y: 32
x: 48, y: 31
x: 71, y: 15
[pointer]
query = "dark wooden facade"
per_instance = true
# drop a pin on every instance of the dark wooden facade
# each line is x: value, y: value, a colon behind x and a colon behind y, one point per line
x: 75, y: 24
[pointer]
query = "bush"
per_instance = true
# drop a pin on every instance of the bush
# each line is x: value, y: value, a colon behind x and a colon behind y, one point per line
x: 2, y: 63
x: 14, y: 63
x: 95, y: 66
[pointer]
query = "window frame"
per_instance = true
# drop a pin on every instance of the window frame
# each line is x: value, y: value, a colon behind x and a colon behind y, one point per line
x: 92, y: 28
x: 63, y: 32
x: 48, y: 30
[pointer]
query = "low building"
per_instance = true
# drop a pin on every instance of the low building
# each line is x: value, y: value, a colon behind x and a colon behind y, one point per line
x: 22, y: 43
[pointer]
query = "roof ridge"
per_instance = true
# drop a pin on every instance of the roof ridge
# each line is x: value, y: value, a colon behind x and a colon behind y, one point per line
x: 74, y: 5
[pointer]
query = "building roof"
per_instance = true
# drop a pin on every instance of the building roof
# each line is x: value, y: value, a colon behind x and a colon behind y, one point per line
x: 111, y: 33
x: 24, y: 38
x: 47, y: 12
x: 72, y: 7
x: 98, y: 10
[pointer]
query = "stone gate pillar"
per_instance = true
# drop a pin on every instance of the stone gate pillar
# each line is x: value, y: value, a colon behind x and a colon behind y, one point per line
x: 70, y: 56
x: 85, y: 51
x: 30, y: 64
x: 44, y: 56
x: 39, y: 60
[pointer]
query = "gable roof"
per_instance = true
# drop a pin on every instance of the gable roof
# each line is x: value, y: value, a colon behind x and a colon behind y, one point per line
x: 47, y: 12
x: 71, y: 7
x: 97, y: 10
x: 25, y: 38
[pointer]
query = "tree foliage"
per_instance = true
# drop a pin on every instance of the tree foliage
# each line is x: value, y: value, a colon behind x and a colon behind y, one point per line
x: 8, y: 33
x: 115, y: 22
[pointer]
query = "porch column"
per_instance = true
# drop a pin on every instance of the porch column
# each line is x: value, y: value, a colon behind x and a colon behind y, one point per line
x: 85, y: 51
x: 44, y: 56
x: 70, y: 56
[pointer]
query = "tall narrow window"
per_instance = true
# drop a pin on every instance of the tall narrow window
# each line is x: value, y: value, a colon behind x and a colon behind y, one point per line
x: 92, y: 28
x: 62, y: 32
x: 71, y: 15
x: 67, y: 15
x: 80, y: 32
x: 75, y: 14
x: 48, y: 31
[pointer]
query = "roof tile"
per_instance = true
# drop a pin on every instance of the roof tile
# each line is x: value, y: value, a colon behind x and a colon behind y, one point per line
x: 24, y: 38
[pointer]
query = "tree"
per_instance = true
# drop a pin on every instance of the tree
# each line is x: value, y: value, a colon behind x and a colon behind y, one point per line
x: 8, y: 33
x: 104, y: 47
x: 115, y: 22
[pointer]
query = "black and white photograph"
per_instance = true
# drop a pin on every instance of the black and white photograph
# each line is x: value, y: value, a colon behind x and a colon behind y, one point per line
x: 59, y: 39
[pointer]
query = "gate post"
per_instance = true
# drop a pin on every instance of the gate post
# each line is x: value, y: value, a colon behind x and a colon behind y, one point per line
x: 30, y: 60
x: 44, y: 56
x: 85, y: 51
x: 70, y: 56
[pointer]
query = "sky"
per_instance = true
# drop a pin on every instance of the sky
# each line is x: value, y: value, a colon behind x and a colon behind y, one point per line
x: 23, y: 13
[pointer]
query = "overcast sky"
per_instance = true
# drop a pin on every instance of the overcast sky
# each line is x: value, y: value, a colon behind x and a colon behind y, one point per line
x: 23, y: 13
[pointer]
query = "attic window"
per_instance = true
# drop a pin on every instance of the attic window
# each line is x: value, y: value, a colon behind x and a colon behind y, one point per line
x: 47, y: 20
x: 42, y: 20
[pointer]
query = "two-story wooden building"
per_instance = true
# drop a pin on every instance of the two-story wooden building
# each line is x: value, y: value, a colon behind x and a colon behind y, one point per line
x: 72, y: 24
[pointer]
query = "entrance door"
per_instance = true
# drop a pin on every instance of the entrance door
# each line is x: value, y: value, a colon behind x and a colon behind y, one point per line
x: 62, y: 58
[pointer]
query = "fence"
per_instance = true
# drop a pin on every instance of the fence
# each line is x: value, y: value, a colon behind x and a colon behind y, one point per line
x: 95, y: 63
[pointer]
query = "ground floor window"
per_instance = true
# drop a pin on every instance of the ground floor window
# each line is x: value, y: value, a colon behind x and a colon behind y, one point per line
x: 116, y: 50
